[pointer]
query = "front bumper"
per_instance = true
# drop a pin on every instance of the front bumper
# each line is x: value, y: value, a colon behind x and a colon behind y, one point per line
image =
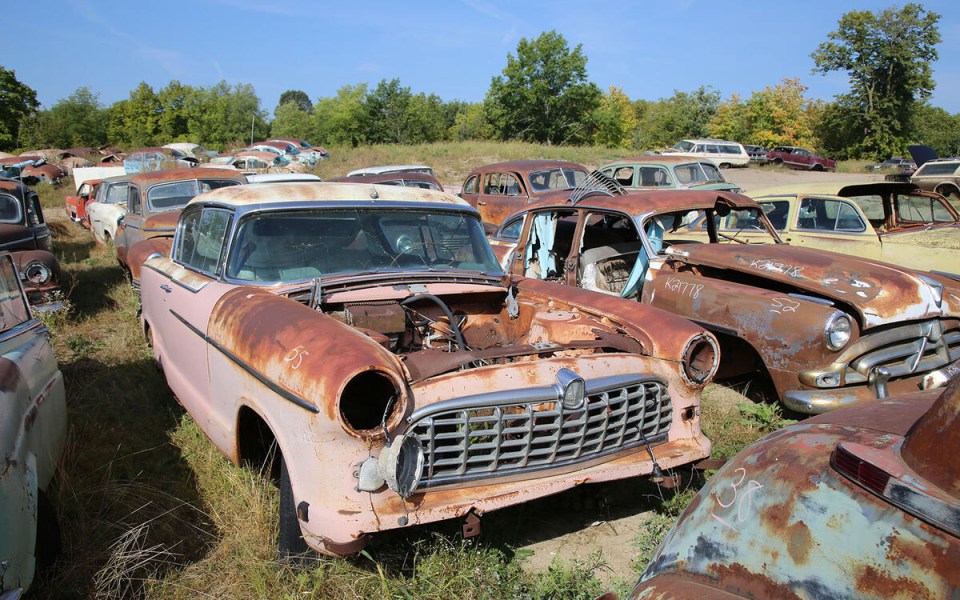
x: 816, y: 401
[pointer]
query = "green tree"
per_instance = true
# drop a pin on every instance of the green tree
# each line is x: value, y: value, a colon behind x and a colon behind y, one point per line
x: 938, y: 129
x: 290, y: 120
x: 774, y: 116
x: 17, y: 102
x: 341, y: 119
x: 683, y: 115
x: 174, y: 120
x: 386, y: 108
x: 543, y: 94
x: 887, y: 56
x: 135, y: 122
x: 615, y: 120
x: 298, y: 97
x: 225, y: 115
x: 470, y: 123
x: 78, y: 120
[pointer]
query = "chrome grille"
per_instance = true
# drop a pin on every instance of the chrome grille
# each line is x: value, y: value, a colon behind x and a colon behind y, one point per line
x: 521, y: 431
x: 906, y: 350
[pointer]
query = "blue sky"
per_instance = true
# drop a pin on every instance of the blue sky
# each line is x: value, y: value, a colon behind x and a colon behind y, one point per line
x: 452, y: 48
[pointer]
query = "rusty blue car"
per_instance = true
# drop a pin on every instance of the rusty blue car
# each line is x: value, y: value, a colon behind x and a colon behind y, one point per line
x: 860, y: 502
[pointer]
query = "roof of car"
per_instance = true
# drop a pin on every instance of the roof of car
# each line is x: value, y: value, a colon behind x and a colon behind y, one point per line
x: 185, y: 173
x: 528, y: 165
x: 384, y: 169
x: 837, y: 188
x: 279, y: 193
x: 644, y: 201
x: 657, y: 158
x: 391, y: 176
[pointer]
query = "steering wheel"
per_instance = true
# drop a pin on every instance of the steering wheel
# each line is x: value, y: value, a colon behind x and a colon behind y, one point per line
x: 444, y: 254
x: 732, y: 238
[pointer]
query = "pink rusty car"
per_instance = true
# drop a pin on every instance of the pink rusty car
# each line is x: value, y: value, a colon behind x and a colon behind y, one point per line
x: 366, y: 338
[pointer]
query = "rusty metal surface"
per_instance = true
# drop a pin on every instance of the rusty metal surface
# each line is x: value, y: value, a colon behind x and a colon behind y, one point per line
x: 145, y: 180
x: 336, y: 382
x: 779, y: 521
x: 769, y: 303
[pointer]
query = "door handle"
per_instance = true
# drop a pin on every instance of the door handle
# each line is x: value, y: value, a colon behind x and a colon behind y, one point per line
x: 166, y: 288
x: 481, y: 203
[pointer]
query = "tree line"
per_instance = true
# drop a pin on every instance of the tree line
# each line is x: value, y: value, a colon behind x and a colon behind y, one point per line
x: 543, y: 95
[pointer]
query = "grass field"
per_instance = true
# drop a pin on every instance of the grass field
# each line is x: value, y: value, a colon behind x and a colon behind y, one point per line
x: 149, y: 508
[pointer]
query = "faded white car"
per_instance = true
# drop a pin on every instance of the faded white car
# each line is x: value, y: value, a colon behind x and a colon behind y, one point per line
x: 108, y: 207
x: 33, y: 425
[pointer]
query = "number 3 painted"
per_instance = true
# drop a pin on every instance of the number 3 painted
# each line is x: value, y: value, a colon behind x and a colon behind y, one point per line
x: 742, y: 498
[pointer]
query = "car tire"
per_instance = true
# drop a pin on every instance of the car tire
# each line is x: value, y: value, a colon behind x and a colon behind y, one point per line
x: 291, y: 549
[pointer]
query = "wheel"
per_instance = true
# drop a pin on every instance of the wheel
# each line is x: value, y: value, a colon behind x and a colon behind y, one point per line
x: 290, y: 545
x: 817, y: 167
x: 724, y: 165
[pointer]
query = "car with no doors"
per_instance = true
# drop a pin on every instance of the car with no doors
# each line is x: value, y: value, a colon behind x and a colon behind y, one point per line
x: 828, y: 329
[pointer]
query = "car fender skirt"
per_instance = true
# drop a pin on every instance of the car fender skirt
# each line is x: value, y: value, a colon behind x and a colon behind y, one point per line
x: 298, y: 351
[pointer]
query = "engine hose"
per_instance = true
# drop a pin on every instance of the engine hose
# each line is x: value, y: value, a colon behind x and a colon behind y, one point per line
x: 446, y: 310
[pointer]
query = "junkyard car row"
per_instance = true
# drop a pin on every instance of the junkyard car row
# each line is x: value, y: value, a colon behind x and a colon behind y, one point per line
x: 367, y: 342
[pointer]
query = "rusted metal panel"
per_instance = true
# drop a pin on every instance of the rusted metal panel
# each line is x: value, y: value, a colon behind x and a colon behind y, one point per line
x: 343, y: 369
x: 780, y: 519
x: 770, y: 304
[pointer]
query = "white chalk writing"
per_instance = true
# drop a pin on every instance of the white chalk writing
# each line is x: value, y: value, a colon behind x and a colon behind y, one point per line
x: 741, y: 498
x: 767, y: 264
x: 783, y: 305
x: 295, y: 357
x: 685, y: 288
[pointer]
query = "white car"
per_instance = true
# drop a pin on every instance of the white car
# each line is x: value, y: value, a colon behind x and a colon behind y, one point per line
x: 724, y: 153
x: 107, y: 208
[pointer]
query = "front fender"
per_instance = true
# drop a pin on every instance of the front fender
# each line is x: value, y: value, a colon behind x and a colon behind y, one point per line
x: 787, y: 331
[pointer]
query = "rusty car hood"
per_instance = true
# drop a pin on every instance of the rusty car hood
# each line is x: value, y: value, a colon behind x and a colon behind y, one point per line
x: 879, y: 292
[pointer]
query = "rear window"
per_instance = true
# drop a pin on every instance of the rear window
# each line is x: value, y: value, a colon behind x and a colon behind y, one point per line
x: 938, y: 168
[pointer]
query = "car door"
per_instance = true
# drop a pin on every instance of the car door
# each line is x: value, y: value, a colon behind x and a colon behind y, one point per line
x: 501, y: 193
x: 178, y: 295
x: 835, y: 225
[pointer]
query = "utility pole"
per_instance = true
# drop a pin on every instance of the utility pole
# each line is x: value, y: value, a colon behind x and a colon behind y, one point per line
x: 252, y: 118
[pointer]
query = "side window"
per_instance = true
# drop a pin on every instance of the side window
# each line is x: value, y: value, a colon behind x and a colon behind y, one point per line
x: 133, y: 200
x: 472, y: 185
x: 776, y: 212
x: 492, y: 184
x: 922, y: 209
x: 13, y: 308
x: 115, y: 194
x: 34, y: 212
x: 510, y: 185
x: 823, y: 214
x: 654, y: 177
x: 511, y: 230
x: 624, y: 176
x: 201, y: 239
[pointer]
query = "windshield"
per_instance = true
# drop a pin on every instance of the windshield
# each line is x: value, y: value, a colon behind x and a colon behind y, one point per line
x: 745, y: 226
x: 697, y: 172
x: 564, y: 178
x: 303, y: 244
x: 684, y: 146
x: 176, y: 194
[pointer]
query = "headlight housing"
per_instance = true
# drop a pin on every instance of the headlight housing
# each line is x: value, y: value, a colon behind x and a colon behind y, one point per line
x: 36, y: 272
x: 701, y: 356
x: 837, y: 332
